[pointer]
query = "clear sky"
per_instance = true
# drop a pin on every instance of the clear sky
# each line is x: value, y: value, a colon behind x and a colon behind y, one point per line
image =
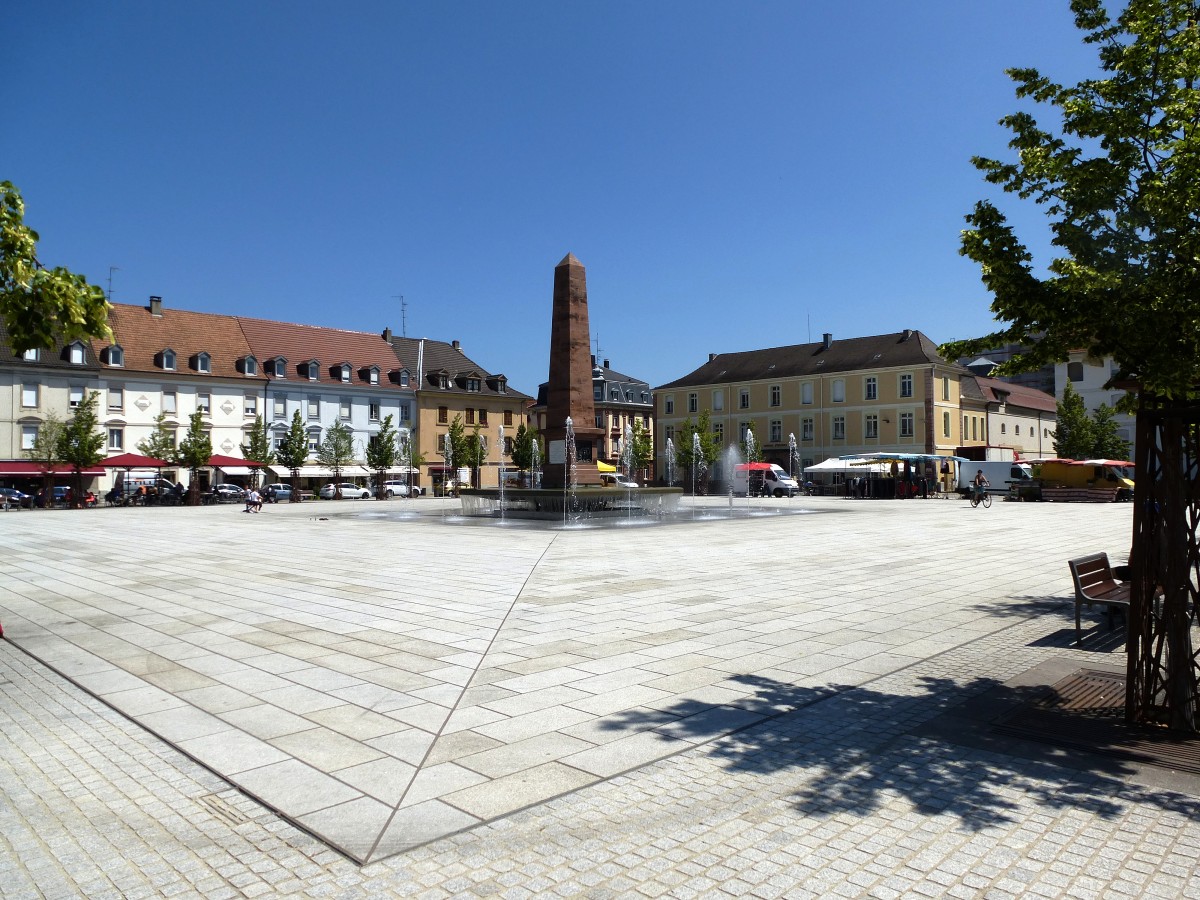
x: 733, y: 175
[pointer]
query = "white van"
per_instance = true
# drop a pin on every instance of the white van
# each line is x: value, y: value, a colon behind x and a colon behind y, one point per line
x: 999, y: 475
x: 771, y: 481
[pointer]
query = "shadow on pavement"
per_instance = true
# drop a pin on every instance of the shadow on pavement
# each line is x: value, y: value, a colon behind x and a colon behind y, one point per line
x: 860, y: 748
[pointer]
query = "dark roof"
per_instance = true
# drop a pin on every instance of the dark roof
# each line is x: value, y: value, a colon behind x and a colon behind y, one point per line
x: 906, y: 348
x: 143, y: 336
x: 608, y: 375
x: 440, y: 356
x: 53, y: 357
x: 1016, y: 394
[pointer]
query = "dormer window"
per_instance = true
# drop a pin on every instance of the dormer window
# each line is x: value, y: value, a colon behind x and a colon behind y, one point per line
x: 277, y: 367
x: 167, y: 359
x: 473, y: 385
x: 442, y: 380
x: 370, y: 374
x: 501, y: 385
x: 249, y: 365
x: 114, y: 355
x: 202, y: 363
x: 310, y: 369
x: 31, y: 355
x: 343, y: 372
x: 75, y: 354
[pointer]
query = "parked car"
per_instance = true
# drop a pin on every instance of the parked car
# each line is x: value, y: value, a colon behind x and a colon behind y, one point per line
x: 228, y: 493
x: 13, y: 497
x: 349, y: 492
x: 396, y: 488
x: 277, y: 492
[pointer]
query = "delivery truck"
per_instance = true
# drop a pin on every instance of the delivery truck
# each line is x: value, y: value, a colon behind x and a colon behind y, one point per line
x: 1000, y: 475
x: 1088, y: 480
x: 763, y: 479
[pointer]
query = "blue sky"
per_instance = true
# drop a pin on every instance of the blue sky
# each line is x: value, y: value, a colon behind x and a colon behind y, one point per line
x: 732, y: 175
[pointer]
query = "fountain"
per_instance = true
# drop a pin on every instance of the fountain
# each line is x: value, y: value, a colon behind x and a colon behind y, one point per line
x: 669, y: 463
x: 500, y: 453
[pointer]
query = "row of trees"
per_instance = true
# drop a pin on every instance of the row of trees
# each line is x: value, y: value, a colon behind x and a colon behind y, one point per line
x: 1080, y: 436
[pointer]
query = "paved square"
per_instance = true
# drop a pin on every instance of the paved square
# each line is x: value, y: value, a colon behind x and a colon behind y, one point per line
x: 383, y: 676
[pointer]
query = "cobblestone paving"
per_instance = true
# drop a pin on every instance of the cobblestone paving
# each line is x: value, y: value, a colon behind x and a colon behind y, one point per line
x: 834, y: 792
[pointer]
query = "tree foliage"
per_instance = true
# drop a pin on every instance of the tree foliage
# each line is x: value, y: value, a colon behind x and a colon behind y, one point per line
x: 257, y: 448
x: 1118, y: 174
x: 523, y: 443
x: 47, y: 447
x: 40, y: 305
x: 382, y: 453
x: 642, y: 447
x: 161, y: 442
x: 1074, y: 435
x: 195, y: 450
x: 697, y: 465
x: 293, y: 451
x: 81, y: 442
x: 335, y: 452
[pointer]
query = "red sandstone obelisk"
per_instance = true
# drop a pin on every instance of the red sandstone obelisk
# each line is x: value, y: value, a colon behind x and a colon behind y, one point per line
x: 570, y: 389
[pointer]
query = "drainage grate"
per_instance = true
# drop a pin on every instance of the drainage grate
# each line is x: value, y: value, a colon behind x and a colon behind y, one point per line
x: 224, y: 810
x: 1086, y: 711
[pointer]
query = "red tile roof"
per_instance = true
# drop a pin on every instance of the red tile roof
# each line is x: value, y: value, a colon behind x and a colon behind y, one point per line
x: 143, y: 336
x: 328, y: 346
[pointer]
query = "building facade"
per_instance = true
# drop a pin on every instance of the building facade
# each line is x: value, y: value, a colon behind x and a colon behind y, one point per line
x: 1014, y: 417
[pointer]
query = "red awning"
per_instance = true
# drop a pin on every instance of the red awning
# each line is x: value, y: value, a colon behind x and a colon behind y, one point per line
x: 133, y: 461
x: 752, y: 467
x: 218, y: 461
x: 25, y: 469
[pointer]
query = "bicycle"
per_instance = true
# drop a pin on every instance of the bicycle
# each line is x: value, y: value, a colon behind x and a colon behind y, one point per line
x: 981, y: 496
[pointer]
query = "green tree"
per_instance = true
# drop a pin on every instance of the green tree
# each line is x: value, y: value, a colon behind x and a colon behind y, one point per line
x: 698, y: 465
x: 336, y: 452
x: 40, y: 305
x: 293, y: 452
x: 382, y: 454
x: 454, y: 441
x: 642, y: 454
x: 474, y: 453
x: 523, y: 443
x: 81, y: 443
x: 46, y: 449
x: 194, y: 452
x: 257, y: 448
x: 1074, y: 435
x: 1107, y: 442
x: 1118, y: 175
x: 161, y: 443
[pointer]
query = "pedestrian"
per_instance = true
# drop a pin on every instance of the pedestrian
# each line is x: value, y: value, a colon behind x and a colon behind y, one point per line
x: 254, y: 501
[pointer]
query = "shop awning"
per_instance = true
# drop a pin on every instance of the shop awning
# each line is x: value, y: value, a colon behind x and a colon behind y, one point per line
x: 605, y: 467
x: 353, y: 471
x: 237, y: 470
x: 26, y: 469
x: 224, y: 463
x: 134, y: 461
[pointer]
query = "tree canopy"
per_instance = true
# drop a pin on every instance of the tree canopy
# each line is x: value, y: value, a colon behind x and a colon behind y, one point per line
x: 195, y: 450
x: 382, y: 454
x: 1118, y: 174
x: 336, y: 452
x: 41, y: 305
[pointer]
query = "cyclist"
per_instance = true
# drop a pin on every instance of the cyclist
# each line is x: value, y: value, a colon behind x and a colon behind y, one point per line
x: 979, y: 483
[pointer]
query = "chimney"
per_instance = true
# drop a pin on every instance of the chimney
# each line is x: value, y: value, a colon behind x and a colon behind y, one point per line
x: 711, y: 357
x: 827, y: 341
x: 905, y: 335
x: 387, y: 335
x: 606, y: 364
x: 593, y: 360
x: 456, y: 345
x: 156, y: 306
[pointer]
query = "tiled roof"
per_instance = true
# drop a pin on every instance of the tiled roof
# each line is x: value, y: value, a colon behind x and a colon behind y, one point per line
x: 54, y: 357
x: 328, y: 346
x: 143, y: 336
x: 439, y: 356
x: 909, y: 348
x: 1017, y: 394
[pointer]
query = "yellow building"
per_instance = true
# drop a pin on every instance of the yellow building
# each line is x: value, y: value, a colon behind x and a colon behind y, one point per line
x: 889, y: 392
x: 451, y: 384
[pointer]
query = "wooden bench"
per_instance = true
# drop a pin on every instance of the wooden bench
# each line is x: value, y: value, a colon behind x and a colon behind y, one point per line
x: 1094, y: 583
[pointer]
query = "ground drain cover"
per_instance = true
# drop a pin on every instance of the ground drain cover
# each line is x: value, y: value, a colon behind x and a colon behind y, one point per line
x: 1086, y: 711
x: 224, y: 810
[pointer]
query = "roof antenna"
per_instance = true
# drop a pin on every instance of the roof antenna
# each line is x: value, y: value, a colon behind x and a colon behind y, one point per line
x: 809, y: 317
x: 111, y: 269
x: 403, y: 314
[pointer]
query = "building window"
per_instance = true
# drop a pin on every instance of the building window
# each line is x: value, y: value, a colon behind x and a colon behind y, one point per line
x: 483, y: 417
x: 614, y: 393
x: 839, y: 428
x: 718, y: 400
x: 251, y: 405
x: 1075, y: 371
x: 405, y: 412
x: 470, y: 416
x: 507, y: 418
x: 168, y: 402
x: 945, y: 388
x: 871, y: 427
x: 776, y: 431
x: 1003, y: 427
x: 693, y: 402
x: 404, y: 379
x: 74, y: 397
x: 168, y: 360
x: 75, y: 354
x: 373, y: 410
x: 344, y: 409
x: 277, y: 440
x: 744, y: 429
x: 30, y: 355
x: 599, y: 420
x: 314, y: 440
x: 204, y: 403
x: 906, y: 385
x: 806, y: 429
x: 373, y: 376
x: 974, y: 428
x: 964, y: 431
x: 1016, y: 430
x: 279, y: 406
x: 116, y: 439
x: 204, y: 364
x: 669, y: 406
x: 945, y: 424
x: 474, y: 385
x: 314, y: 407
x: 29, y: 395
x: 906, y: 424
x: 743, y: 399
x: 669, y: 433
x: 346, y: 374
x: 598, y: 390
x: 718, y: 431
x: 116, y: 356
x: 116, y: 398
x: 443, y: 415
x: 806, y: 392
x: 776, y: 395
x: 251, y: 365
x: 871, y: 388
x: 29, y: 435
x: 838, y: 391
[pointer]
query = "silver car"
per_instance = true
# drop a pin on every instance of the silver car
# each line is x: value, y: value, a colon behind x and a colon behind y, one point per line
x: 349, y: 492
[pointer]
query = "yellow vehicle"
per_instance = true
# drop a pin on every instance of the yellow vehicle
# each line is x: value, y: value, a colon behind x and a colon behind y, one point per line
x: 1096, y: 480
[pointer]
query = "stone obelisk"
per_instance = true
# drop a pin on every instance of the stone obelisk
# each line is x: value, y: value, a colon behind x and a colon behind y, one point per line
x: 570, y: 389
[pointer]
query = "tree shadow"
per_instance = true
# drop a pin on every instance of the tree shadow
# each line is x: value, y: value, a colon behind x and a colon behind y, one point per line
x: 1097, y: 637
x: 859, y: 748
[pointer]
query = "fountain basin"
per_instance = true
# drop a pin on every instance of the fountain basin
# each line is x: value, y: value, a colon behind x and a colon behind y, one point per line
x: 588, y: 502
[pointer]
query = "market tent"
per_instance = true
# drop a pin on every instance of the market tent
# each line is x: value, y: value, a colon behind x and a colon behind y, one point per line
x: 853, y: 464
x: 322, y: 472
x: 753, y: 467
x: 605, y: 467
x: 133, y: 461
x: 24, y: 469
